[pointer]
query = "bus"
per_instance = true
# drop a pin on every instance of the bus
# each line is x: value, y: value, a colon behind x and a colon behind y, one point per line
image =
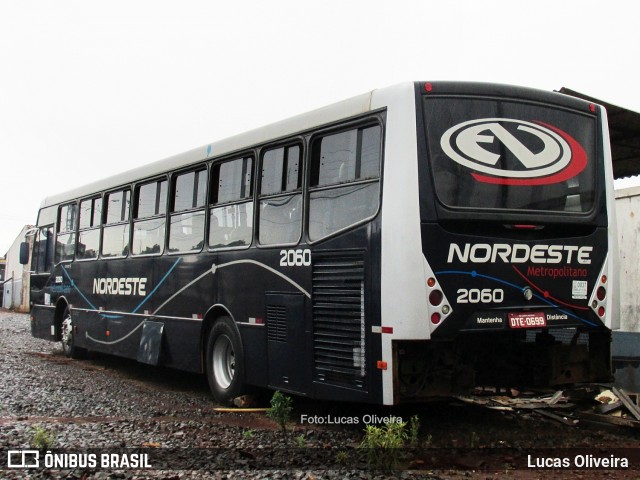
x: 413, y: 242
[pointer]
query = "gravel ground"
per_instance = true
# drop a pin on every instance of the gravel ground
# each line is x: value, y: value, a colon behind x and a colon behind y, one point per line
x: 109, y: 405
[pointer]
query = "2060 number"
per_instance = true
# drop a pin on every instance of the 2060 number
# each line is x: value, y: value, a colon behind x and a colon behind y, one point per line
x: 475, y: 295
x: 295, y: 258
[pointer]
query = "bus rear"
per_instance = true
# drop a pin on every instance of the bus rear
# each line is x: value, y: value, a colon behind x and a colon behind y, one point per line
x: 518, y: 238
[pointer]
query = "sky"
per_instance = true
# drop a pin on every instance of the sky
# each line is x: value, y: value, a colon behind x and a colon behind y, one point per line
x: 90, y: 88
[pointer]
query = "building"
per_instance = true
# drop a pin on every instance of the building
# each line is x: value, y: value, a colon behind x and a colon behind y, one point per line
x: 15, y: 291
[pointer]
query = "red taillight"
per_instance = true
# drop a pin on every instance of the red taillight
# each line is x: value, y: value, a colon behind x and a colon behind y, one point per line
x: 601, y: 293
x: 431, y: 282
x: 435, y: 298
x: 592, y: 107
x: 435, y: 318
x: 428, y: 87
x: 601, y: 312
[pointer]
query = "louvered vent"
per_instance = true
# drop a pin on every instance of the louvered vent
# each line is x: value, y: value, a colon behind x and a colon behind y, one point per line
x: 338, y: 318
x: 277, y: 323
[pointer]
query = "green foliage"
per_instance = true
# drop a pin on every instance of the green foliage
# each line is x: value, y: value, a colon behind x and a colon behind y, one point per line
x: 248, y: 434
x: 281, y: 408
x: 42, y: 439
x: 384, y: 444
x: 428, y: 441
x: 473, y: 443
x: 414, y: 430
x: 301, y: 441
x: 342, y: 457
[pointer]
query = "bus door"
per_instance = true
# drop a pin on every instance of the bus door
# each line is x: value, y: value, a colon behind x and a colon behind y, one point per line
x: 41, y: 265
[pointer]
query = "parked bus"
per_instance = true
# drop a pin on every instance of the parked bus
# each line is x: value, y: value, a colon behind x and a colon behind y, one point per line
x: 411, y: 242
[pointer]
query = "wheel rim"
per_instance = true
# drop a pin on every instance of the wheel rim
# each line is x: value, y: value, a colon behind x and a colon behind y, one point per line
x: 67, y: 334
x: 224, y: 361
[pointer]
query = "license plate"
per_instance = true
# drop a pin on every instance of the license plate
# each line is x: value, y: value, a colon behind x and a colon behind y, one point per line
x: 527, y: 320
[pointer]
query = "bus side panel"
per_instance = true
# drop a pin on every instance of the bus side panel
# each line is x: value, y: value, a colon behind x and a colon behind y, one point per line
x: 112, y: 323
x: 335, y: 266
x: 256, y: 362
x: 181, y: 345
x: 186, y: 291
x: 267, y: 298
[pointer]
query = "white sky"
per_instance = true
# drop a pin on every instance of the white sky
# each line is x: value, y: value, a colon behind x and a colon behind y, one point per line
x: 89, y: 88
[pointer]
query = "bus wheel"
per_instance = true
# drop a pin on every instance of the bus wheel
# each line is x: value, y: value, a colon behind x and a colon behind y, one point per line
x: 68, y: 346
x: 225, y: 362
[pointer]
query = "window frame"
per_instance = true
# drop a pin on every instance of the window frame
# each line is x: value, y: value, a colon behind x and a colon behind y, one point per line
x: 299, y: 191
x: 49, y: 252
x: 73, y: 231
x: 173, y: 213
x: 91, y: 228
x: 107, y: 225
x: 248, y: 200
x: 156, y: 216
x: 375, y: 120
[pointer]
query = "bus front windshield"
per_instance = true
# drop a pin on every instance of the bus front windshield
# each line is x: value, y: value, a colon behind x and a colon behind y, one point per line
x: 495, y: 154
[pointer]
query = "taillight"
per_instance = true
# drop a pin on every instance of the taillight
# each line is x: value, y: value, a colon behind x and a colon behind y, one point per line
x: 435, y: 298
x: 598, y: 298
x: 438, y: 306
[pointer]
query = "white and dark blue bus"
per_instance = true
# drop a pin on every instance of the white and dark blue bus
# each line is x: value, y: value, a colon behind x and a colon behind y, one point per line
x: 411, y: 242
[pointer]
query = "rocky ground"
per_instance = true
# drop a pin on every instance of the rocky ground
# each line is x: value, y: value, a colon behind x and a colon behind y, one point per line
x: 109, y: 406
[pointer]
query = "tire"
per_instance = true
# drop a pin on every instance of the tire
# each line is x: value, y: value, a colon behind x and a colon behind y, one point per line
x: 225, y: 361
x: 67, y: 337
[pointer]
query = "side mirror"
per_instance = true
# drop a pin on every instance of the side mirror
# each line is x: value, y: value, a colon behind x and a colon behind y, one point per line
x: 24, y: 253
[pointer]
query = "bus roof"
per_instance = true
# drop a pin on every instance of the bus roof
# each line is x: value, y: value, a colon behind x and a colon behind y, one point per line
x: 346, y: 108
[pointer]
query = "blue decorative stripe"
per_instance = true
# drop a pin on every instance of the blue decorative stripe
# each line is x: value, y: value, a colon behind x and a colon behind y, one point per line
x: 166, y: 275
x: 147, y: 298
x: 73, y: 284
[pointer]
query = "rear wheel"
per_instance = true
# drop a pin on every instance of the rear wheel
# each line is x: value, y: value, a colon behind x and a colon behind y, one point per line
x: 225, y: 361
x: 67, y: 336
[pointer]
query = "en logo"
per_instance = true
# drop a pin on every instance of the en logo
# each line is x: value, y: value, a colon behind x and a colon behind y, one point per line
x: 560, y: 158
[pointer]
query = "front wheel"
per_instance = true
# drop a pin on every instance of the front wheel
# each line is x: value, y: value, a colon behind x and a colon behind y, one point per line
x: 225, y: 361
x: 67, y: 336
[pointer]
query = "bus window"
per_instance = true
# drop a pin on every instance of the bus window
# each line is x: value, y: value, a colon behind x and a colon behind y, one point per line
x: 149, y: 223
x: 281, y: 211
x: 115, y: 234
x: 43, y: 250
x: 512, y: 146
x: 186, y: 230
x: 66, y: 239
x: 345, y: 171
x: 231, y: 192
x: 89, y: 228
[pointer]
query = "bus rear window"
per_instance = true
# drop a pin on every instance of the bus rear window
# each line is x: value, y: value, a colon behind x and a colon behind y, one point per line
x: 505, y: 155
